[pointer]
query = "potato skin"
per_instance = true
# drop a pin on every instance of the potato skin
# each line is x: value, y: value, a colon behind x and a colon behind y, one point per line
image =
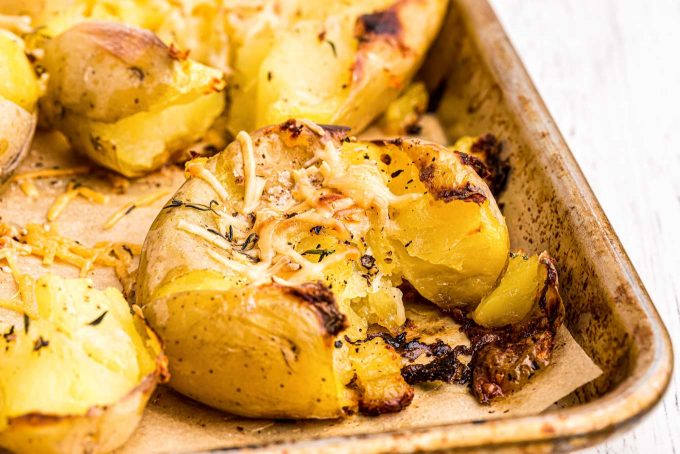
x: 17, y: 127
x: 274, y: 343
x: 105, y: 71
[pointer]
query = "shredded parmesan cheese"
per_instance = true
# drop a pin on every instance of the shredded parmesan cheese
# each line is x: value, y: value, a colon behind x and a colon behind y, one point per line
x: 46, y: 243
x: 71, y: 193
x: 29, y: 188
x: 318, y: 130
x: 49, y: 173
x: 196, y: 168
x: 125, y: 209
x: 25, y: 180
x: 16, y: 24
x: 254, y: 185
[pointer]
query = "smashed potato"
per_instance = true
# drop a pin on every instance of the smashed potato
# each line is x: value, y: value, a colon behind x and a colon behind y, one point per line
x: 124, y: 98
x: 279, y: 251
x: 333, y: 62
x: 76, y: 369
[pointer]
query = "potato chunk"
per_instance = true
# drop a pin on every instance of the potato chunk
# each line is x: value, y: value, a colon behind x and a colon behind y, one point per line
x: 124, y: 98
x: 519, y: 291
x: 75, y: 371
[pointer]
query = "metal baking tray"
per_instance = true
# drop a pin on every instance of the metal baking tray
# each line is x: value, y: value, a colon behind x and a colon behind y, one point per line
x: 548, y: 205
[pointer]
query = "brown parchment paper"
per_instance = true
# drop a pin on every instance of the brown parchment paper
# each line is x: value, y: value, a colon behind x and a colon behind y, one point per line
x: 173, y: 423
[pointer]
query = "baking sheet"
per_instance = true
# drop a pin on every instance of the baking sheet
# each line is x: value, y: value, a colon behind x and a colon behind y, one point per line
x: 174, y: 423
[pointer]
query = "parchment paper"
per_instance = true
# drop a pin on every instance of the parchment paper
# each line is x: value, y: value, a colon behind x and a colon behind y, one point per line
x: 175, y: 423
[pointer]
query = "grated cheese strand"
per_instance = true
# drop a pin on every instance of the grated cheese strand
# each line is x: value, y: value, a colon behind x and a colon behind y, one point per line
x: 49, y: 245
x: 29, y: 188
x: 145, y: 200
x: 49, y: 173
x: 196, y: 168
x: 254, y: 185
x: 201, y: 232
x: 61, y: 201
x: 16, y: 24
x: 27, y: 185
x: 314, y: 127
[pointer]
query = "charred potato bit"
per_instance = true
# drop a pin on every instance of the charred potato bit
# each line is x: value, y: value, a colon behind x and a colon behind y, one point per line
x: 484, y: 154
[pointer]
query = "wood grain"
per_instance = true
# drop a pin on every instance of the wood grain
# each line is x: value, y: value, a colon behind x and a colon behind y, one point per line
x: 609, y: 73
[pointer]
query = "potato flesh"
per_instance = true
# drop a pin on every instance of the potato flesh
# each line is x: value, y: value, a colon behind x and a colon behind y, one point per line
x: 516, y: 294
x: 456, y: 250
x: 104, y: 360
x: 17, y: 79
x: 144, y: 141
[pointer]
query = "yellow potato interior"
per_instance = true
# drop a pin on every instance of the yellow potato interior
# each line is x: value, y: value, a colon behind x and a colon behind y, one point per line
x: 18, y: 82
x: 515, y: 295
x: 81, y: 348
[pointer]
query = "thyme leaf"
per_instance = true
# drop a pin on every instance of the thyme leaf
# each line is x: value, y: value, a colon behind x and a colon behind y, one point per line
x: 322, y: 253
x: 99, y: 319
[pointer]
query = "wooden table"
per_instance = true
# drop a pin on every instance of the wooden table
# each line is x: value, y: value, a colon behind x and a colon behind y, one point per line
x: 609, y: 71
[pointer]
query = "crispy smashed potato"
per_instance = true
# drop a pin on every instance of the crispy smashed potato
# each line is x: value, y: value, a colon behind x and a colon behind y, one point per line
x: 19, y: 93
x: 124, y: 98
x: 332, y: 62
x: 292, y: 239
x: 76, y: 369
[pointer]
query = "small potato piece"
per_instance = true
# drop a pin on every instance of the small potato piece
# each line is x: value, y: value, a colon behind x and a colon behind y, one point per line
x: 19, y: 92
x: 124, y: 98
x: 518, y: 292
x: 402, y: 115
x: 76, y: 374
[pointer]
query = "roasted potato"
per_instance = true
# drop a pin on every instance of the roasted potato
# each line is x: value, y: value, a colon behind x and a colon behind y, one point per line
x: 124, y: 98
x: 281, y: 250
x: 76, y: 369
x: 333, y: 62
x: 19, y: 92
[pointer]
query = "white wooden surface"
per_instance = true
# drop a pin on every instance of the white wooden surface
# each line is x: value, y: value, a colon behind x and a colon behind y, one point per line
x: 609, y: 71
